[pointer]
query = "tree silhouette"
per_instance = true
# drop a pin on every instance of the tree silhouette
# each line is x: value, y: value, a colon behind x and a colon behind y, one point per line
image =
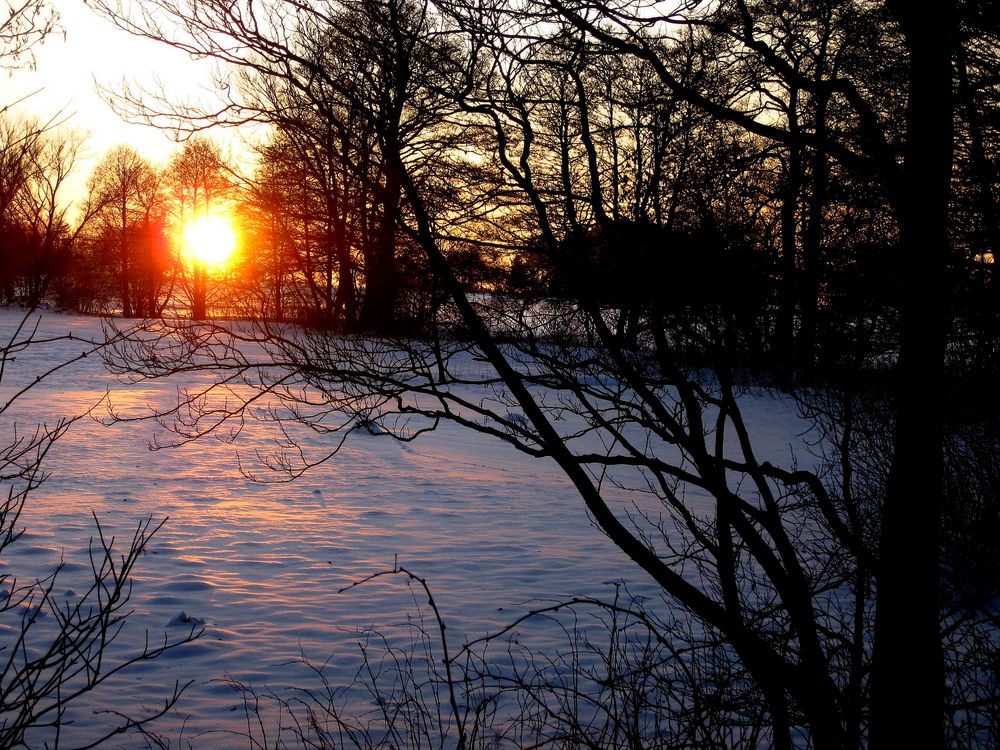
x: 371, y: 71
x: 49, y: 667
x: 312, y: 202
x: 199, y: 183
x: 908, y: 553
x: 127, y: 189
x: 25, y: 24
x: 777, y: 158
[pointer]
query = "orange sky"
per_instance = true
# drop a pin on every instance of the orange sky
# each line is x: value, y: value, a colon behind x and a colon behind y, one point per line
x: 93, y: 50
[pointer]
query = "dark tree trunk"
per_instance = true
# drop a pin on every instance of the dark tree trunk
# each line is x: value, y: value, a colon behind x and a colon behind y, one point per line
x: 378, y: 313
x: 787, y: 286
x: 907, y: 673
x: 199, y: 307
x: 812, y: 248
x: 344, y: 300
x: 125, y: 279
x: 787, y: 267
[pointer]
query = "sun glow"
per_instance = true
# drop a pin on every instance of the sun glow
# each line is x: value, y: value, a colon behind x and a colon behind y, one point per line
x: 209, y: 240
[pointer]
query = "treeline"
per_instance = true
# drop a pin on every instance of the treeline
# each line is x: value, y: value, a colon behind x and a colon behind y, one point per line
x: 116, y: 250
x: 741, y: 166
x: 553, y: 166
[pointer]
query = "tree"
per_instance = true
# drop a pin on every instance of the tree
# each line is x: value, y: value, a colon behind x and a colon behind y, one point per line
x: 127, y: 189
x: 278, y: 211
x: 819, y: 588
x: 311, y: 207
x: 20, y: 145
x: 37, y: 242
x: 908, y: 551
x: 25, y: 24
x: 48, y: 668
x: 199, y: 184
x: 372, y: 72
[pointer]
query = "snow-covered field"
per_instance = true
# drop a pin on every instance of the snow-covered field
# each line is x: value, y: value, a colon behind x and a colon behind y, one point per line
x: 261, y: 564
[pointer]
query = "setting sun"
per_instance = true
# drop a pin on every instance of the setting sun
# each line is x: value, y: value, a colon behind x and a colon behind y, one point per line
x: 209, y: 240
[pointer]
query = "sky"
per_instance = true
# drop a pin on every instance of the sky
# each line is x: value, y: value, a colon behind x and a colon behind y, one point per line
x: 87, y: 51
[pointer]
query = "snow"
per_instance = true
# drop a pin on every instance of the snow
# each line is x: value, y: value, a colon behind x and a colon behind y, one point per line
x: 259, y: 566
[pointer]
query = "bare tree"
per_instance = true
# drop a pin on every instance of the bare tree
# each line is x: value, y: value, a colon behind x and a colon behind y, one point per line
x: 822, y: 590
x: 58, y: 650
x: 278, y: 213
x: 199, y: 184
x: 25, y: 24
x: 20, y: 145
x: 373, y: 72
x: 61, y: 649
x: 908, y: 551
x: 126, y: 188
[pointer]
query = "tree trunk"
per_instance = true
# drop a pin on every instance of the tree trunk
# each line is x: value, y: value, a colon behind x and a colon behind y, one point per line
x: 378, y: 313
x: 199, y: 307
x: 812, y: 248
x: 787, y: 282
x: 907, y: 673
x: 125, y: 279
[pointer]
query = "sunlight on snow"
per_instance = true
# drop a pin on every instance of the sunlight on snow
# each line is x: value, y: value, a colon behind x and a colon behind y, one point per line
x: 261, y: 564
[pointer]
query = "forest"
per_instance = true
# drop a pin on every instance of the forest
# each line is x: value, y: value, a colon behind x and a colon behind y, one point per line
x: 634, y: 211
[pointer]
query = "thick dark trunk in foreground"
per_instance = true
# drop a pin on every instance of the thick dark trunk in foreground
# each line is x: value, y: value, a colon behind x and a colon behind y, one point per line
x: 812, y: 249
x: 907, y: 705
x: 785, y: 324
